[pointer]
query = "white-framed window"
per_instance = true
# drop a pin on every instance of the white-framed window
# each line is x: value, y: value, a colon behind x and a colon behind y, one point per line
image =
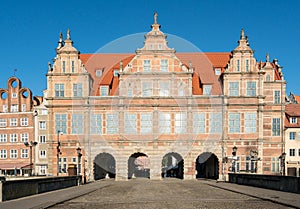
x: 24, y: 153
x: 207, y: 89
x: 63, y: 66
x: 3, y: 154
x: 238, y: 65
x: 164, y: 88
x: 99, y: 73
x: 14, y: 95
x: 13, y: 137
x: 164, y: 123
x: 276, y: 127
x: 199, y: 122
x: 42, y: 125
x: 96, y: 124
x: 251, y: 88
x: 217, y: 71
x: 77, y: 124
x: 24, y: 137
x: 13, y: 153
x: 59, y: 90
x: 3, y: 122
x: 234, y: 122
x: 24, y: 121
x: 62, y: 165
x: 293, y: 120
x: 275, y: 165
x: 43, y: 169
x: 5, y: 109
x: 215, y: 122
x: 146, y: 123
x: 292, y: 135
x: 3, y: 137
x: 13, y: 122
x: 234, y: 89
x: 116, y: 73
x: 247, y: 65
x: 277, y: 97
x: 73, y: 66
x: 129, y: 90
x: 61, y: 123
x: 292, y: 152
x: 103, y: 90
x: 164, y: 65
x: 44, y: 112
x: 147, y: 65
x: 42, y: 139
x: 250, y: 122
x: 130, y: 123
x: 180, y: 123
x: 14, y: 108
x: 147, y: 88
x: 77, y: 89
x: 112, y: 123
x: 268, y: 78
x: 23, y: 108
x: 43, y: 154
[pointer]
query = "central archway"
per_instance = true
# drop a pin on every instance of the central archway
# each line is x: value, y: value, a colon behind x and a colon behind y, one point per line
x: 138, y: 166
x: 172, y: 166
x: 104, y: 166
x: 207, y: 166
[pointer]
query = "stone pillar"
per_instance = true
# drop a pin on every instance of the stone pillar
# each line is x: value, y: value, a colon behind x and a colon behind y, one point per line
x: 189, y: 168
x: 155, y: 168
x: 121, y: 168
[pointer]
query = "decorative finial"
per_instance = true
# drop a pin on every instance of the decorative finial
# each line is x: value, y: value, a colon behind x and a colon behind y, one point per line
x: 242, y: 34
x: 60, y: 37
x: 267, y: 57
x: 121, y: 65
x: 155, y: 17
x: 60, y: 42
x: 68, y: 34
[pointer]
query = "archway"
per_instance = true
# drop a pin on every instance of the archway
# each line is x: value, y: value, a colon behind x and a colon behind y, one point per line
x: 138, y: 166
x: 172, y: 166
x: 104, y: 166
x: 207, y: 166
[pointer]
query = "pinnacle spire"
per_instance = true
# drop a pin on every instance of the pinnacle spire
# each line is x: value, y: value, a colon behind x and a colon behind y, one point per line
x: 60, y: 42
x: 155, y: 17
x: 68, y: 34
x: 242, y: 36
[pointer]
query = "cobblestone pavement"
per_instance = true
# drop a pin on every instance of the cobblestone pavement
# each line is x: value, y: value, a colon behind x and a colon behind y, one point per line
x: 169, y: 193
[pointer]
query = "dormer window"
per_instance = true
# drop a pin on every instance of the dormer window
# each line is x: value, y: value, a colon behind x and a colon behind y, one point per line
x: 116, y: 73
x: 218, y: 71
x: 14, y: 108
x: 247, y: 65
x: 238, y: 65
x: 63, y: 66
x: 99, y: 73
x: 293, y: 120
x: 207, y: 89
x: 103, y: 90
x: 14, y: 95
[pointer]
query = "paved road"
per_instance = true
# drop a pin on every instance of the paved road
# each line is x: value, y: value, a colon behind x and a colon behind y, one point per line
x: 170, y: 193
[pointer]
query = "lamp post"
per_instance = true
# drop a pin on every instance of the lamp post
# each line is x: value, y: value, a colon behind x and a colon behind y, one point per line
x: 30, y: 145
x: 58, y: 152
x: 78, y: 160
x: 234, y: 158
x: 254, y: 159
x: 282, y: 163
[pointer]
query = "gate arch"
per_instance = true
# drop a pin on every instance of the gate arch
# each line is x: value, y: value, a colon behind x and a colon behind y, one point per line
x: 104, y: 166
x: 207, y: 166
x: 138, y: 166
x: 172, y: 165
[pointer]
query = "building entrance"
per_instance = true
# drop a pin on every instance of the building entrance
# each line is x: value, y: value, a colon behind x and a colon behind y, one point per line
x: 138, y: 166
x: 207, y: 166
x: 104, y: 166
x: 172, y: 166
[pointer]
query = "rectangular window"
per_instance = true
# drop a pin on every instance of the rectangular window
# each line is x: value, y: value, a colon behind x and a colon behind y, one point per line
x: 59, y: 90
x: 234, y: 89
x: 42, y: 125
x: 207, y: 89
x: 14, y: 108
x: 130, y: 123
x: 180, y: 123
x: 164, y: 65
x: 103, y: 90
x: 293, y: 120
x: 63, y: 66
x: 164, y: 123
x: 77, y: 89
x: 130, y: 90
x: 277, y: 97
x: 238, y: 67
x: 62, y: 165
x: 299, y: 152
x: 43, y: 169
x: 24, y: 121
x: 77, y: 124
x: 96, y: 124
x: 147, y: 89
x: 275, y: 165
x: 14, y: 95
x: 199, y: 123
x: 116, y: 73
x: 164, y: 88
x: 73, y: 66
x: 5, y: 109
x: 24, y: 137
x: 292, y: 152
x: 42, y: 139
x: 3, y: 137
x: 234, y: 122
x: 251, y: 88
x: 146, y: 123
x: 250, y: 122
x: 3, y: 122
x: 23, y: 108
x: 44, y: 112
x: 13, y: 153
x: 13, y: 122
x: 43, y: 154
x: 218, y: 71
x: 112, y: 123
x: 13, y: 137
x: 276, y: 127
x: 24, y: 153
x: 3, y: 154
x: 147, y: 66
x: 292, y: 135
x: 61, y: 123
x: 215, y: 122
x: 247, y: 65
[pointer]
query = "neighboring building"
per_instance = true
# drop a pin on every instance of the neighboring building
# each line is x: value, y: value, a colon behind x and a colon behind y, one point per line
x: 292, y: 140
x: 16, y: 128
x: 159, y: 113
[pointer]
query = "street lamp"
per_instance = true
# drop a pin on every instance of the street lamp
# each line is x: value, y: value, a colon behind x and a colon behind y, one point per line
x: 58, y: 152
x: 79, y: 158
x: 282, y: 163
x: 254, y: 158
x: 30, y: 145
x: 234, y: 158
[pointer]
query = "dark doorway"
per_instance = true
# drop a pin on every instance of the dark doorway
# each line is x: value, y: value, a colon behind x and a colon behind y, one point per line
x: 172, y: 166
x: 138, y: 166
x: 207, y: 166
x: 104, y: 166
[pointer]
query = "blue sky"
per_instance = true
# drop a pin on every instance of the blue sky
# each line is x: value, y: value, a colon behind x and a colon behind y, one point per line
x: 29, y: 30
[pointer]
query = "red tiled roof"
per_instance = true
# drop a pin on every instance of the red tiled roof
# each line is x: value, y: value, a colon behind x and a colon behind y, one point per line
x: 292, y: 110
x: 297, y: 98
